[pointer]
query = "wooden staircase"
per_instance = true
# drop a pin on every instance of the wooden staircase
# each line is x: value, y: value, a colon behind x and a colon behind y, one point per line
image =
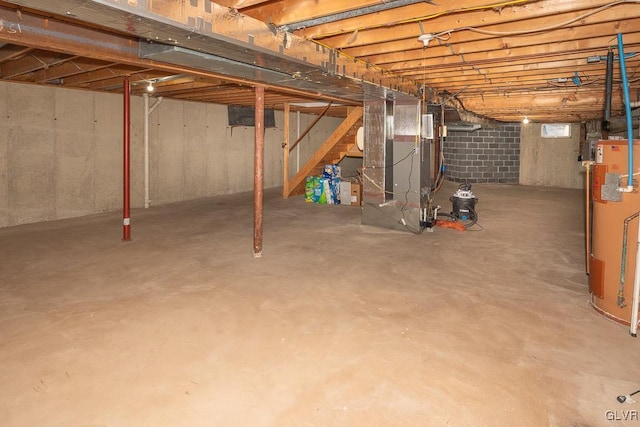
x: 340, y: 143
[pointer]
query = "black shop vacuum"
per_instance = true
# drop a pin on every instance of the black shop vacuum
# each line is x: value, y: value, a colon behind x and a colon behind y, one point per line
x: 464, y: 205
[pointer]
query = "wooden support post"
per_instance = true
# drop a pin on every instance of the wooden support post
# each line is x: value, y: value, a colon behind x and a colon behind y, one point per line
x: 285, y: 152
x: 258, y: 178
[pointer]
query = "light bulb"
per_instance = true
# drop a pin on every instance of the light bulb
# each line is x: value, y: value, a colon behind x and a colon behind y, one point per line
x: 150, y: 87
x: 525, y: 120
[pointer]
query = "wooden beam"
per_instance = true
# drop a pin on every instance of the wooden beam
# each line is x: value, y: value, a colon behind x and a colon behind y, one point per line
x: 35, y: 60
x: 498, y: 69
x: 499, y: 49
x: 70, y: 68
x: 10, y: 52
x: 451, y: 19
x: 495, y: 77
x: 465, y: 41
x: 115, y: 83
x: 241, y: 38
x: 69, y: 38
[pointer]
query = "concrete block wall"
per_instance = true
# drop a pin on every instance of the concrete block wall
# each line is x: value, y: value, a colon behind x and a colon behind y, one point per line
x: 61, y: 152
x: 485, y: 155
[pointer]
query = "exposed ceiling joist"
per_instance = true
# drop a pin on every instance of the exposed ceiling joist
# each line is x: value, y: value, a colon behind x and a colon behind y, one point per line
x: 489, y: 53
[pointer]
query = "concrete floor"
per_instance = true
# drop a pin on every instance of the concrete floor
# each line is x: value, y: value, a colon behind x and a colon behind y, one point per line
x: 338, y: 324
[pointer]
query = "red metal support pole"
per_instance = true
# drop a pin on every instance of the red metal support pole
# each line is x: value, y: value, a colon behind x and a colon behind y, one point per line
x: 258, y: 177
x: 126, y: 220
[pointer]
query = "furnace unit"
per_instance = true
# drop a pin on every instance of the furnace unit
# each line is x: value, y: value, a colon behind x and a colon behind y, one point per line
x: 396, y: 165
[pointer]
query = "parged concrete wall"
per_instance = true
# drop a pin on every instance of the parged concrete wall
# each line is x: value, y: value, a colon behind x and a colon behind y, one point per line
x: 550, y: 162
x: 61, y: 152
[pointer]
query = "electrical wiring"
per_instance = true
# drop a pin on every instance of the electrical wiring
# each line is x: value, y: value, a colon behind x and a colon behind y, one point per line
x: 541, y: 29
x: 445, y: 35
x: 396, y: 163
x: 375, y: 184
x: 441, y: 170
x: 497, y: 5
x: 406, y: 196
x: 491, y: 6
x: 406, y: 203
x: 567, y: 84
x: 407, y: 21
x: 480, y: 228
x: 368, y: 178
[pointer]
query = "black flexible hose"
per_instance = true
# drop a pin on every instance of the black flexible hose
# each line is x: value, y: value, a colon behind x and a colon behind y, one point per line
x: 474, y: 218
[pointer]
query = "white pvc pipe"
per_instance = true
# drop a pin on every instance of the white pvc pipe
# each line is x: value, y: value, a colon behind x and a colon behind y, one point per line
x: 633, y: 330
x: 146, y: 150
x: 147, y: 113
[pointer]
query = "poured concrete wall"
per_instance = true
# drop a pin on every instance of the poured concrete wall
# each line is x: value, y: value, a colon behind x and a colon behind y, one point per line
x: 61, y: 152
x: 550, y: 162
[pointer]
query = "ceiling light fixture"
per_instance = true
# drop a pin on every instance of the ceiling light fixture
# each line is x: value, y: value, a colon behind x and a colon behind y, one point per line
x: 150, y: 87
x: 525, y: 120
x: 425, y: 38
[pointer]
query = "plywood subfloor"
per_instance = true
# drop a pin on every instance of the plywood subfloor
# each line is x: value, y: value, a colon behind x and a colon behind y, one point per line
x: 338, y: 324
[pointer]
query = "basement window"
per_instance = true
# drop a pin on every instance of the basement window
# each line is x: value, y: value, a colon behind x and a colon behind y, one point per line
x: 555, y: 130
x: 246, y: 116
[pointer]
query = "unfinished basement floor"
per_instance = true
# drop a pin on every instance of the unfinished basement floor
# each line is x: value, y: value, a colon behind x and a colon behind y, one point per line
x: 338, y: 324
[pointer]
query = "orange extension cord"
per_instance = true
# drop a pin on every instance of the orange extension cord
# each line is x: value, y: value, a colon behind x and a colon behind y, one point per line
x: 451, y: 224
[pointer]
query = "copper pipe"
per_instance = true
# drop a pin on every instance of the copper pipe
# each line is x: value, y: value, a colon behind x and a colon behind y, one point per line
x: 436, y: 155
x: 126, y: 217
x: 588, y: 217
x: 258, y: 177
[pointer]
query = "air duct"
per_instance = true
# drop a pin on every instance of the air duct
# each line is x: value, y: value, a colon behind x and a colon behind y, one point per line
x: 463, y: 127
x: 390, y: 4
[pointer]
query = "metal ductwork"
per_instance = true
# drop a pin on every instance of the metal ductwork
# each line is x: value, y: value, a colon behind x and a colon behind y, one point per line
x: 232, y: 44
x: 312, y: 80
x: 460, y: 121
x: 463, y: 127
x: 390, y: 4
